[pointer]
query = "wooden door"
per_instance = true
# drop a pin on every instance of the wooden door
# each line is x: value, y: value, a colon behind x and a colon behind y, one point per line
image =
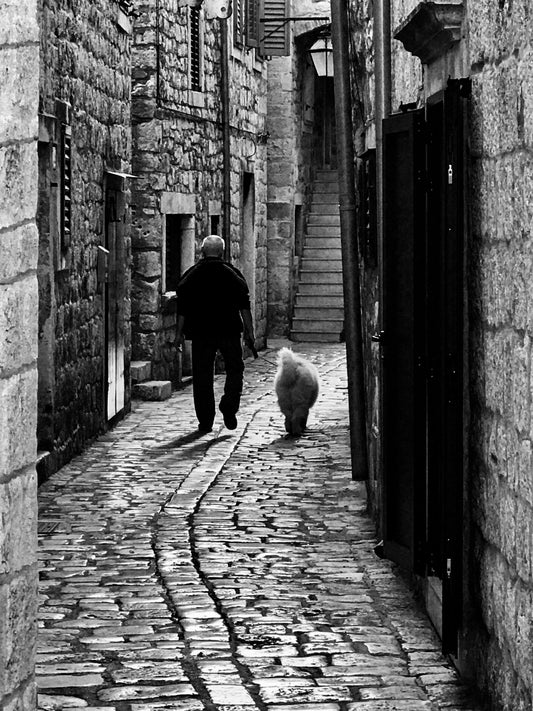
x: 403, y: 337
x: 114, y: 296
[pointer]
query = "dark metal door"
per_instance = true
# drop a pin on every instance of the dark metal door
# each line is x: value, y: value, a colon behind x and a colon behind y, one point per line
x: 403, y: 340
x: 453, y: 272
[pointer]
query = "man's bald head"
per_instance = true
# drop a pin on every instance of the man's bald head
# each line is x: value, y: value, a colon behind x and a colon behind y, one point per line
x: 212, y: 246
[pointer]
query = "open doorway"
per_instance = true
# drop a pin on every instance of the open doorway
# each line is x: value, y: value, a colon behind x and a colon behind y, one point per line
x: 247, y: 259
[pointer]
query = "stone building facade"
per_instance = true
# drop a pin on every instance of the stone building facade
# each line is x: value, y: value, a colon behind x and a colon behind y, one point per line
x: 19, y: 68
x: 293, y: 121
x: 199, y: 169
x: 449, y: 84
x: 84, y: 254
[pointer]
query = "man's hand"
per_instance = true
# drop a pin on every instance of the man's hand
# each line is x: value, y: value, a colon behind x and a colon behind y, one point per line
x: 179, y: 342
x: 249, y: 339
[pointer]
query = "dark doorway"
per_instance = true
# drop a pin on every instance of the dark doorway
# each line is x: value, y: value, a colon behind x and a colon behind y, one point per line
x: 114, y: 292
x: 325, y: 133
x: 423, y: 350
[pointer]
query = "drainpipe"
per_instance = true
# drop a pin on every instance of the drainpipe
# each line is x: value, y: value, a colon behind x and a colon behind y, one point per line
x: 382, y: 52
x: 350, y: 261
x: 226, y: 155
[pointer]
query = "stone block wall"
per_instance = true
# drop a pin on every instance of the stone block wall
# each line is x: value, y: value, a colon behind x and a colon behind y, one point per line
x: 291, y: 160
x: 501, y: 131
x: 85, y: 64
x: 19, y: 68
x: 498, y: 54
x: 178, y: 158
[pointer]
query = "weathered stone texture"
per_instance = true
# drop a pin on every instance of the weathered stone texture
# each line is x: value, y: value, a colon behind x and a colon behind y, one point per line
x: 86, y: 62
x: 501, y: 43
x: 178, y: 152
x: 18, y: 351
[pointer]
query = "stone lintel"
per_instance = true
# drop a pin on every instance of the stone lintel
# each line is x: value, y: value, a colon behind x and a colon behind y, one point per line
x: 178, y: 203
x: 431, y: 29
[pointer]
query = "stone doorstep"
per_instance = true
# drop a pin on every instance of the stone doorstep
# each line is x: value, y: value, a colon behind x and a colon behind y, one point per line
x: 140, y: 370
x: 152, y: 390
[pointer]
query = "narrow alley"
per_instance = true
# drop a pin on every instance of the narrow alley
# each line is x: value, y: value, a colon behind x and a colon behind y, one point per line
x: 229, y: 571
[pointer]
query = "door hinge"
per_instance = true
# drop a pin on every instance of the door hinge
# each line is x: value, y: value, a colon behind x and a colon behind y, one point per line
x: 450, y: 174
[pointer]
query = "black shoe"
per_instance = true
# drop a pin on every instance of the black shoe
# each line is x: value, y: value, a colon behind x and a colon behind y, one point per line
x: 230, y: 420
x: 204, y: 428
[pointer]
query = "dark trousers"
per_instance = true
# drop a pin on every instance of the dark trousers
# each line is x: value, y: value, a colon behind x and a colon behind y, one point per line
x: 203, y: 369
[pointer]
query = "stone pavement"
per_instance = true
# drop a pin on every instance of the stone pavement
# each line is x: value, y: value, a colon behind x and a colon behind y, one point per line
x: 227, y: 572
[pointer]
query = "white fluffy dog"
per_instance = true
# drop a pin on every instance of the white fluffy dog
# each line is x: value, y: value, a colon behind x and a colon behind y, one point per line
x: 296, y: 385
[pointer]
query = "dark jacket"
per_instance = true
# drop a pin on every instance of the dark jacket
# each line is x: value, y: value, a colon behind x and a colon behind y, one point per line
x: 210, y: 295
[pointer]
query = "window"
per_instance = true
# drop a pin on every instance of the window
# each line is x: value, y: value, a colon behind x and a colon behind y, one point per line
x: 65, y: 170
x: 238, y: 23
x: 173, y: 241
x: 195, y: 49
x: 215, y: 224
x: 246, y: 23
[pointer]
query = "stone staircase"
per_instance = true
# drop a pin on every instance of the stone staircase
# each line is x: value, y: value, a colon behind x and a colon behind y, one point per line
x: 319, y: 304
x: 143, y: 388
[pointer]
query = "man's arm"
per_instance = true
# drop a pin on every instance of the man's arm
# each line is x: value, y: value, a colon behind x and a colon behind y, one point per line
x: 249, y: 337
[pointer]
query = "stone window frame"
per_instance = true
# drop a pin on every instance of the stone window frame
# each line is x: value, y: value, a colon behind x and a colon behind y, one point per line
x: 183, y: 205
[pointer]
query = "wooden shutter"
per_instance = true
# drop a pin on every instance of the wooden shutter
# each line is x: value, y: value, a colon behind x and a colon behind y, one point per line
x: 252, y: 23
x: 402, y: 340
x: 274, y: 30
x: 238, y: 30
x: 454, y: 365
x: 195, y: 48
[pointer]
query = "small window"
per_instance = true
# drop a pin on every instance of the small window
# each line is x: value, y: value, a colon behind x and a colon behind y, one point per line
x: 215, y: 224
x: 238, y: 23
x: 173, y: 239
x: 195, y: 49
x: 65, y: 172
x: 252, y: 23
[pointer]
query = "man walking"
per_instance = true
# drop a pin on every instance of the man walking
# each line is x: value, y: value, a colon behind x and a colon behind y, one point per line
x: 213, y: 307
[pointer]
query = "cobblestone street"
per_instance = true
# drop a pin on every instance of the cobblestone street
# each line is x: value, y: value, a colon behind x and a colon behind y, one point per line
x: 227, y: 572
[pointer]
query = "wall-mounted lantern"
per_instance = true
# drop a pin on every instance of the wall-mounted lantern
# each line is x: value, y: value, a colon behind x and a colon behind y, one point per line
x: 322, y: 56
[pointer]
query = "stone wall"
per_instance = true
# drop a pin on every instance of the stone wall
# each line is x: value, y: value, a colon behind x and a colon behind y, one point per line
x: 498, y: 55
x: 291, y: 161
x: 178, y: 158
x: 501, y: 133
x: 19, y: 68
x: 84, y: 85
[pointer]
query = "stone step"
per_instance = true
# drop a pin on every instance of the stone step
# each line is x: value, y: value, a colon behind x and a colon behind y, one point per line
x: 320, y: 288
x: 325, y: 197
x: 317, y: 314
x: 324, y: 264
x: 152, y: 390
x: 335, y: 301
x: 312, y: 252
x: 326, y: 176
x: 140, y: 370
x: 305, y: 337
x: 323, y: 231
x: 327, y: 220
x: 327, y: 242
x: 324, y: 208
x: 324, y: 277
x: 304, y: 325
x: 325, y: 188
